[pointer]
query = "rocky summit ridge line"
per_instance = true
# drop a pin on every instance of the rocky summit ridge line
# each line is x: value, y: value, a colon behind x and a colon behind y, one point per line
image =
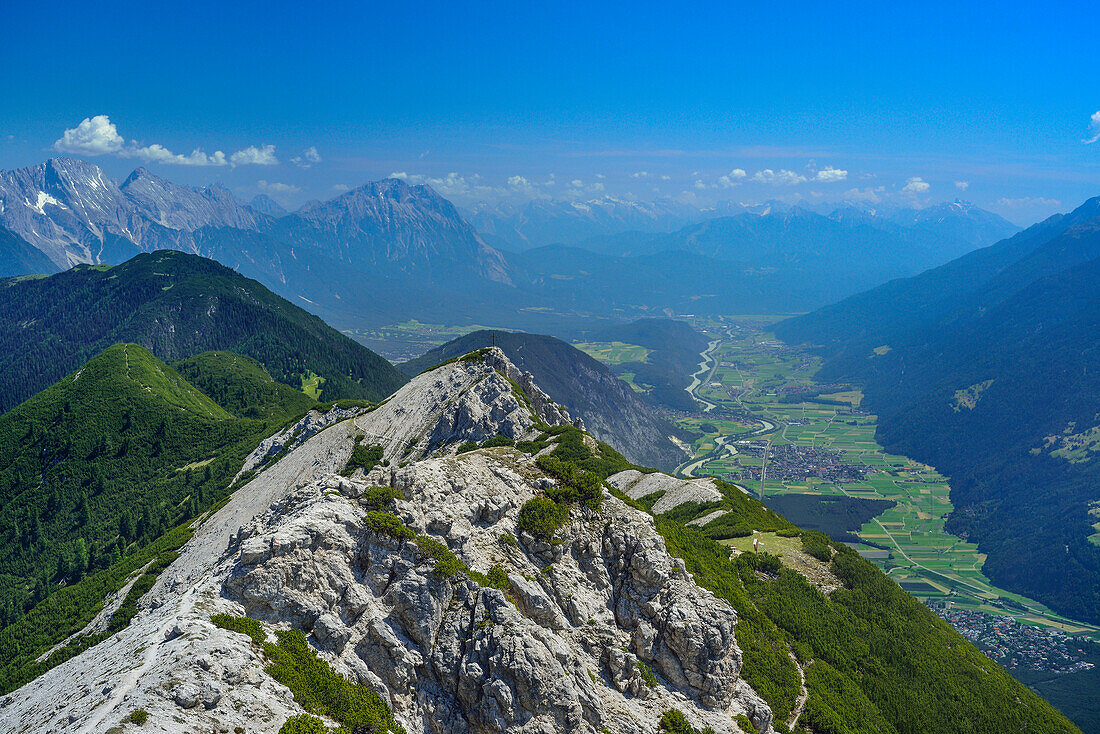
x: 566, y: 649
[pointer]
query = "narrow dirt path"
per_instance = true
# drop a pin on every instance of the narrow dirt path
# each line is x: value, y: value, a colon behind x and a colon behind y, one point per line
x: 803, y: 694
x: 118, y: 693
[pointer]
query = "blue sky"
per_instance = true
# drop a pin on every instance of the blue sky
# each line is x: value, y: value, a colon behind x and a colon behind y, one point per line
x: 900, y: 102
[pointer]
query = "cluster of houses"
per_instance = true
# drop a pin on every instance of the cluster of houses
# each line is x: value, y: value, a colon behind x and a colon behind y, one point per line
x: 1015, y: 645
x: 791, y: 463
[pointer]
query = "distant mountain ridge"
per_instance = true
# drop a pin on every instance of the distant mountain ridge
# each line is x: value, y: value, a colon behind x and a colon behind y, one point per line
x: 539, y: 222
x: 901, y: 242
x: 74, y: 213
x: 185, y: 208
x: 388, y: 251
x: 335, y: 257
x: 389, y: 221
x: 621, y: 227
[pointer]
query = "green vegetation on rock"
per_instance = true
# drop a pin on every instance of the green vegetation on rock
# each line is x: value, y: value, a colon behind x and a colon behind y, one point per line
x: 68, y: 610
x: 364, y: 457
x: 315, y: 685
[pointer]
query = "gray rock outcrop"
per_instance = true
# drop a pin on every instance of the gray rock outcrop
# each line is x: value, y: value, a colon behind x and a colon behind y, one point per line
x: 601, y: 630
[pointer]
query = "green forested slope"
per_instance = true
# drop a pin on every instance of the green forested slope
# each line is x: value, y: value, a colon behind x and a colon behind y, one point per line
x: 103, y: 462
x: 674, y: 349
x: 125, y: 429
x: 175, y: 305
x: 874, y: 658
x: 242, y: 386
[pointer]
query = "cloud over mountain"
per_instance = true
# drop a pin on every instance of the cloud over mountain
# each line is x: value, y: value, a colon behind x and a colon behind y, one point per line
x: 93, y: 136
x: 99, y: 136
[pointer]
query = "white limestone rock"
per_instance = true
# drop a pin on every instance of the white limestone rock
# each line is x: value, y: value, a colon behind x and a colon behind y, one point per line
x: 558, y: 651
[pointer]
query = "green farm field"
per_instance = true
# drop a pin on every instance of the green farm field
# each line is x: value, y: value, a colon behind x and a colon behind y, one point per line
x: 614, y: 352
x: 764, y: 392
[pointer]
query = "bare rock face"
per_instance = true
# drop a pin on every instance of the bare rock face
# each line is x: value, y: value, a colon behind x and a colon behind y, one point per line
x: 557, y: 652
x: 636, y: 485
x: 600, y: 630
x: 466, y: 400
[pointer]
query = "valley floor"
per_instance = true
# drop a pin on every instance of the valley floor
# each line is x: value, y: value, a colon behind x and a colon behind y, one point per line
x: 809, y: 451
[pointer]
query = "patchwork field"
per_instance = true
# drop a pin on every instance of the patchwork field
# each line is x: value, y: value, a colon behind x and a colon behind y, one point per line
x: 409, y: 339
x: 765, y: 398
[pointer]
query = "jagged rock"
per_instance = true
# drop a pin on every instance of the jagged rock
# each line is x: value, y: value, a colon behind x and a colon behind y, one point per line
x: 560, y: 650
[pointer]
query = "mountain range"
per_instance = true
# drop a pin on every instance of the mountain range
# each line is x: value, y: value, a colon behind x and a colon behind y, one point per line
x: 388, y: 251
x: 985, y: 368
x: 541, y: 222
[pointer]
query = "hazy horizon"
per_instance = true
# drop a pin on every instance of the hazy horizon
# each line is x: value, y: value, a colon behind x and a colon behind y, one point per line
x: 894, y: 107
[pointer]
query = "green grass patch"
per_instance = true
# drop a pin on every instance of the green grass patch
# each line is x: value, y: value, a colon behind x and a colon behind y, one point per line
x: 364, y: 457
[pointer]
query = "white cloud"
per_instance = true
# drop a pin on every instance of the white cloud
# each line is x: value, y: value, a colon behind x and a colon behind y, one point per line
x: 519, y: 182
x: 1027, y: 202
x: 733, y: 178
x: 700, y: 185
x: 962, y: 185
x: 99, y: 136
x: 597, y: 187
x: 600, y: 176
x: 156, y: 153
x: 576, y: 183
x: 782, y: 177
x: 828, y: 174
x: 93, y: 136
x: 253, y: 156
x: 1094, y: 128
x: 308, y: 157
x: 666, y: 178
x: 640, y: 174
x: 277, y: 188
x: 916, y: 185
x: 340, y: 188
x: 399, y: 174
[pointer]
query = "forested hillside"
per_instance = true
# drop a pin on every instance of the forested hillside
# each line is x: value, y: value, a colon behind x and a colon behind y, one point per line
x: 175, y: 305
x: 673, y: 355
x: 874, y: 659
x: 102, y: 463
x: 242, y: 386
x: 985, y: 368
x: 18, y: 257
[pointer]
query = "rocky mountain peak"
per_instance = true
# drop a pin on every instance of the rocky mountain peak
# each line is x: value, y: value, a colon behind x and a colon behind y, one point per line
x: 601, y: 630
x: 264, y: 204
x: 389, y: 221
x: 183, y: 207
